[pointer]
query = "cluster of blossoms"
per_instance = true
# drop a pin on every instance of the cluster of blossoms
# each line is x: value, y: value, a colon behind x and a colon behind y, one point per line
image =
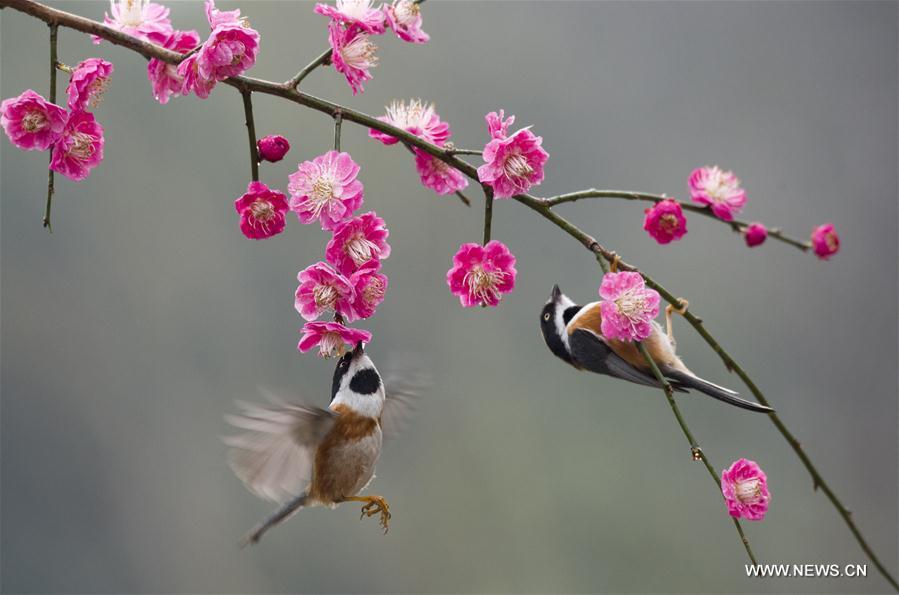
x: 353, y: 22
x: 348, y: 283
x: 421, y: 119
x: 745, y: 489
x: 73, y: 135
x: 721, y: 193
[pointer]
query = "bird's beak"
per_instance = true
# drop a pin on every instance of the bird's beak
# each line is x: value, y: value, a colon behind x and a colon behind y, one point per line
x: 557, y: 293
x: 358, y: 350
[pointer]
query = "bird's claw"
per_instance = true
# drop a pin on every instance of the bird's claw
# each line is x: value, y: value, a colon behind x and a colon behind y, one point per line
x: 377, y: 505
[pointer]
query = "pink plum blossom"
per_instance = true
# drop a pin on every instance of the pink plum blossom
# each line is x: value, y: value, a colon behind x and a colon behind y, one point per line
x: 229, y: 51
x: 665, y: 221
x: 825, y: 241
x: 322, y: 289
x: 352, y: 54
x: 360, y: 240
x: 415, y: 117
x: 164, y: 77
x: 272, y: 148
x: 192, y: 81
x: 358, y: 13
x: 437, y: 175
x: 718, y: 189
x: 326, y: 189
x: 261, y: 211
x: 498, y: 124
x: 139, y: 18
x: 331, y: 338
x: 755, y: 234
x: 480, y: 275
x: 404, y: 17
x: 628, y: 307
x: 31, y: 122
x: 370, y: 287
x: 745, y: 489
x: 218, y: 17
x: 88, y: 83
x: 80, y: 148
x: 513, y: 163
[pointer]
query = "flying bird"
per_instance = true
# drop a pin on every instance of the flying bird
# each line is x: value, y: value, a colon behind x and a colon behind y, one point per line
x: 301, y: 456
x: 572, y: 332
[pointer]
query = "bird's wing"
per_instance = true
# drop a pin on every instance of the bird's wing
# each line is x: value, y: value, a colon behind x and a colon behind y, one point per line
x: 592, y: 353
x: 402, y: 394
x: 274, y: 454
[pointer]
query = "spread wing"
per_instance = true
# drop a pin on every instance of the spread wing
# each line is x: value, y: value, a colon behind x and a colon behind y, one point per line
x: 592, y: 353
x: 403, y: 393
x: 274, y: 454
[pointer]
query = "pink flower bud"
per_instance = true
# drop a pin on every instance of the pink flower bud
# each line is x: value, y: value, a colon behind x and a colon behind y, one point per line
x: 825, y: 241
x: 665, y: 221
x: 272, y: 148
x: 755, y: 234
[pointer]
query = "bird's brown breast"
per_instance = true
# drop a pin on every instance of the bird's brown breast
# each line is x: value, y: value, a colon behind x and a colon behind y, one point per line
x: 345, y: 459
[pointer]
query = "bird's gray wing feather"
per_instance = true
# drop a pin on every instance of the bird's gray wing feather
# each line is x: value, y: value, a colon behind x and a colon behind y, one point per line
x: 592, y: 353
x: 274, y: 454
x: 402, y: 393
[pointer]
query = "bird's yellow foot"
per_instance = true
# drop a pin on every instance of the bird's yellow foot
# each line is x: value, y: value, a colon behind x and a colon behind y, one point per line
x: 375, y: 505
x: 669, y: 310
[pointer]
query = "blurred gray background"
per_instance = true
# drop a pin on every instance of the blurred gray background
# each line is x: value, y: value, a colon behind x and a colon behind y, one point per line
x: 128, y: 332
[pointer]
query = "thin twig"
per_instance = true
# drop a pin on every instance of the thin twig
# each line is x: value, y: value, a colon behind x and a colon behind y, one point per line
x: 455, y: 151
x: 149, y: 50
x: 696, y: 452
x: 54, y: 63
x: 251, y: 132
x: 323, y: 60
x: 488, y: 212
x: 736, y: 225
x: 465, y: 200
x: 338, y: 121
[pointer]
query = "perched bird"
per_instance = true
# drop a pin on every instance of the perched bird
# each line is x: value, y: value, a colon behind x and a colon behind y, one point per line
x: 301, y: 456
x: 572, y: 333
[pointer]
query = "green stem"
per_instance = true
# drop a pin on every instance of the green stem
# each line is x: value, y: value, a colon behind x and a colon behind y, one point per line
x: 488, y: 213
x: 251, y: 132
x: 338, y: 122
x: 323, y: 60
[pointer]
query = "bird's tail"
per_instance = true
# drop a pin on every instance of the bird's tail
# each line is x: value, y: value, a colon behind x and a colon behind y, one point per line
x: 713, y: 390
x: 280, y: 516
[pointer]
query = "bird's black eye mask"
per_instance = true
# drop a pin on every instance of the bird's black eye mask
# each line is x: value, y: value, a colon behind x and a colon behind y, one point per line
x: 339, y: 372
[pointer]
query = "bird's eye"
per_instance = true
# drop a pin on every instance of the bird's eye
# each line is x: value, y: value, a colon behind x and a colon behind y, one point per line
x: 343, y: 364
x: 546, y: 316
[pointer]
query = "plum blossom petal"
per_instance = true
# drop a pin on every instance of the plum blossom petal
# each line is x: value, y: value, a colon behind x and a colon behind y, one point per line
x: 359, y: 13
x: 755, y: 234
x: 323, y: 289
x: 437, y: 175
x: 31, y: 122
x: 415, y: 117
x: 628, y: 307
x: 360, y: 240
x: 326, y: 189
x: 80, y: 148
x: 88, y: 83
x: 370, y: 287
x: 139, y: 18
x: 825, y: 241
x: 512, y: 163
x: 745, y: 489
x: 665, y: 221
x: 261, y: 211
x: 481, y: 275
x: 352, y: 54
x: 165, y: 77
x: 331, y: 338
x: 218, y: 17
x: 404, y: 17
x: 718, y: 189
x: 498, y: 124
x: 272, y: 148
x: 191, y: 79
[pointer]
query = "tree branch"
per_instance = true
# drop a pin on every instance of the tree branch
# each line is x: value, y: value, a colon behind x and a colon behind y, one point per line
x: 540, y: 206
x: 323, y: 60
x: 54, y: 63
x: 251, y: 132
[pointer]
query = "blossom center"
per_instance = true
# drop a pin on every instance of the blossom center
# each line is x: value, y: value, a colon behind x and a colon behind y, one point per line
x: 360, y: 249
x: 81, y: 147
x: 749, y: 491
x: 34, y: 121
x: 632, y: 306
x: 517, y: 166
x: 668, y: 222
x: 133, y: 13
x: 356, y: 9
x: 406, y: 12
x: 330, y: 342
x: 359, y: 53
x: 96, y: 90
x: 263, y: 211
x: 718, y: 187
x: 373, y: 291
x: 482, y: 283
x: 325, y: 296
x: 830, y: 238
